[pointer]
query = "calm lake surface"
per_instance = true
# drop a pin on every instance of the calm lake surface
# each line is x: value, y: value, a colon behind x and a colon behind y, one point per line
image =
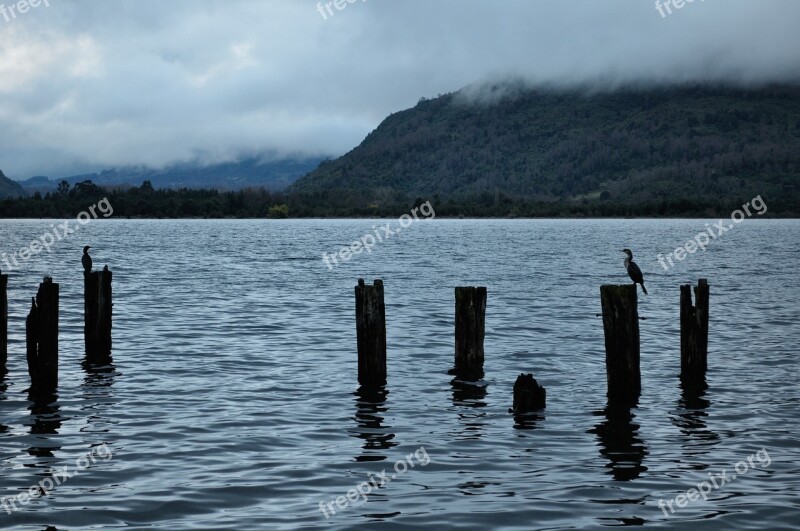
x: 233, y: 400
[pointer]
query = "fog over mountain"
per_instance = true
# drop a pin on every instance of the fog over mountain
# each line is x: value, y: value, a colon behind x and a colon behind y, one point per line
x: 89, y: 85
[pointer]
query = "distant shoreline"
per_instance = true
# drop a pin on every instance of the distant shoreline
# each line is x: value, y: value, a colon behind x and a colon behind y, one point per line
x: 445, y: 218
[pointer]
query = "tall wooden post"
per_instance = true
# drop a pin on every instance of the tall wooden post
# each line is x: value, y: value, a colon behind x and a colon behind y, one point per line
x: 470, y: 327
x: 694, y: 332
x: 371, y: 333
x: 621, y: 326
x: 3, y: 323
x: 97, y: 314
x: 32, y: 342
x: 41, y: 334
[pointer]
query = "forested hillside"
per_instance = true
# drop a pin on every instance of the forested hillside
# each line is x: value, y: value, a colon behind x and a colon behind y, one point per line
x: 501, y: 151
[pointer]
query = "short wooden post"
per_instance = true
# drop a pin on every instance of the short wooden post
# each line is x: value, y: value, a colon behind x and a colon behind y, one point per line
x: 371, y: 333
x: 470, y: 327
x: 621, y: 327
x: 97, y: 314
x: 694, y: 332
x: 529, y: 396
x: 3, y: 323
x: 41, y: 333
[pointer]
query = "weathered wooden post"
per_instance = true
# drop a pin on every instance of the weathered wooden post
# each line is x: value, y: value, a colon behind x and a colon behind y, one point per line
x: 32, y: 342
x: 41, y: 334
x: 3, y: 323
x: 371, y: 333
x: 694, y: 332
x: 97, y: 314
x: 470, y: 327
x: 529, y: 396
x: 621, y: 327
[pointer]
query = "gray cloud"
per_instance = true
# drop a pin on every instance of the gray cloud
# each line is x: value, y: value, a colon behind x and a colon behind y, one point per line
x: 87, y: 84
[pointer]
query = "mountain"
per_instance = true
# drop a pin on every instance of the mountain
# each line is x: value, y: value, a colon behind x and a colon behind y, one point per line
x: 9, y: 188
x: 507, y: 149
x: 247, y: 173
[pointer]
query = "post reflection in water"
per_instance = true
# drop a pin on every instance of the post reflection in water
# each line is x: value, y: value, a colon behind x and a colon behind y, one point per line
x: 370, y: 408
x: 3, y: 389
x: 469, y: 395
x: 619, y: 441
x: 528, y: 421
x: 98, y: 395
x: 45, y: 410
x: 690, y: 418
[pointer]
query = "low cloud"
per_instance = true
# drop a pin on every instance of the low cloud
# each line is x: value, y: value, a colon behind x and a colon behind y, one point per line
x: 89, y: 85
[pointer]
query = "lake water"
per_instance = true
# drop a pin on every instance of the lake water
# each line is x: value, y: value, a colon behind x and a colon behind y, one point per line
x: 233, y: 401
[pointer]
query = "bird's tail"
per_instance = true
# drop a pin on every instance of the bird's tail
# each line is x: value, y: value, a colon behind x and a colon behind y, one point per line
x: 644, y: 288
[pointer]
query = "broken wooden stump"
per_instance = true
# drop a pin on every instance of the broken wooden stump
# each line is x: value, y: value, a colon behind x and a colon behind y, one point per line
x: 529, y: 396
x: 371, y: 334
x: 470, y: 327
x: 694, y: 332
x: 3, y: 324
x: 621, y: 327
x: 97, y: 314
x: 41, y: 336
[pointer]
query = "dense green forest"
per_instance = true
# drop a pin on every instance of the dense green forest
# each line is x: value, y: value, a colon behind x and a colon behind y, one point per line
x: 508, y: 150
x: 145, y: 202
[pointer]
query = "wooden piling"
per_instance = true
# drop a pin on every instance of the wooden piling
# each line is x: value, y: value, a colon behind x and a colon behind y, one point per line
x: 621, y: 327
x: 470, y: 327
x: 371, y: 333
x: 97, y: 314
x: 3, y: 323
x: 694, y: 332
x: 32, y: 342
x: 41, y: 334
x: 529, y: 396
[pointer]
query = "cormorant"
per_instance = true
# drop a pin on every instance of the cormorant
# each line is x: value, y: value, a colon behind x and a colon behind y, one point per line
x: 87, y: 260
x: 633, y: 270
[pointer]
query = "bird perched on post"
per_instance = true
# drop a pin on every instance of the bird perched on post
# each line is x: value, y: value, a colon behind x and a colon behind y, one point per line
x: 87, y: 260
x: 633, y: 270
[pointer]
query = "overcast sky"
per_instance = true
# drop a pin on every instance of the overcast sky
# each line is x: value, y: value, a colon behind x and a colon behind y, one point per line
x: 93, y: 84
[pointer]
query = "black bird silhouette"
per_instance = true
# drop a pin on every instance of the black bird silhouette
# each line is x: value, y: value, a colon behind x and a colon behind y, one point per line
x: 633, y: 270
x: 87, y: 260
